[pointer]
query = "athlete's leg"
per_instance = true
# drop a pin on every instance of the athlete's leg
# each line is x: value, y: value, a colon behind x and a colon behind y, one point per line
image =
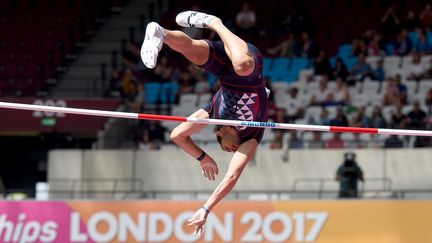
x: 196, y: 51
x: 235, y: 47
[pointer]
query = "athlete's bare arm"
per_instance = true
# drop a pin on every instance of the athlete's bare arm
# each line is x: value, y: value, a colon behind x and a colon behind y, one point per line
x: 238, y: 162
x: 181, y: 135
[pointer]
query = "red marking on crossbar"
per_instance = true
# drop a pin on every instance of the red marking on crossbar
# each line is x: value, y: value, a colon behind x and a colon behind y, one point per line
x: 354, y: 129
x: 161, y: 117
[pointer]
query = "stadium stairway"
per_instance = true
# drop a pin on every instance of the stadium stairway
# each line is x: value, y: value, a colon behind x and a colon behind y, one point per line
x: 84, y: 77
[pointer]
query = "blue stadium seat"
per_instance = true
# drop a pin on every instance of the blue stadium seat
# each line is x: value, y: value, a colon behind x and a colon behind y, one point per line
x: 413, y: 37
x: 299, y: 63
x: 345, y: 50
x: 333, y: 61
x: 277, y: 75
x: 281, y: 64
x: 390, y: 49
x: 429, y: 37
x: 152, y: 90
x: 169, y: 93
x: 350, y: 62
x: 268, y: 63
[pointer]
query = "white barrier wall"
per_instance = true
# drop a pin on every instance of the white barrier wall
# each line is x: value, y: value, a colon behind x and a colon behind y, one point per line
x: 172, y: 169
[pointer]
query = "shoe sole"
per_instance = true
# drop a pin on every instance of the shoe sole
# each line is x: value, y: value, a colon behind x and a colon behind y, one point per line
x: 149, y: 53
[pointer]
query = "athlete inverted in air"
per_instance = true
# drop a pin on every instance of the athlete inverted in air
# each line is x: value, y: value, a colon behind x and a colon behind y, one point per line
x: 242, y: 96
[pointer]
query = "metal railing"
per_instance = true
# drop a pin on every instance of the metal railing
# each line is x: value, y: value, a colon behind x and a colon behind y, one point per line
x: 322, y: 182
x: 81, y: 188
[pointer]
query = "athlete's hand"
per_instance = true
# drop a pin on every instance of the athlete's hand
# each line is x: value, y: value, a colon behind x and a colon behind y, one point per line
x: 209, y: 168
x: 198, y: 220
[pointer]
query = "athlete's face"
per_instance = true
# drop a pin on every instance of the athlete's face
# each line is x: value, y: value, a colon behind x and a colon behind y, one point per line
x: 229, y: 139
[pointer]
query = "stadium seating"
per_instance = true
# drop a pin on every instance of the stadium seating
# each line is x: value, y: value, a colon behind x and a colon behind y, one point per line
x: 40, y: 36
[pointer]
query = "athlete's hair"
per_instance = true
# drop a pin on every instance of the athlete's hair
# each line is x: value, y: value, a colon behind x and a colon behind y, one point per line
x: 218, y: 137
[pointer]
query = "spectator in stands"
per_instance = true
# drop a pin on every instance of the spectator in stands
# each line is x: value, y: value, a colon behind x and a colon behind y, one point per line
x: 128, y: 83
x: 136, y: 100
x: 335, y: 142
x: 417, y: 118
x: 186, y: 83
x: 153, y: 134
x: 358, y: 46
x: 277, y: 142
x: 163, y: 72
x: 422, y: 142
x: 348, y: 174
x: 295, y: 142
x: 356, y: 142
x: 404, y: 44
x: 340, y: 95
x: 411, y: 22
x: 322, y: 96
x: 389, y: 23
x: 423, y: 46
x: 395, y: 93
x: 340, y: 119
x: 284, y: 49
x: 426, y: 16
x: 378, y: 73
x: 368, y: 36
x: 375, y: 141
x: 393, y: 141
x: 398, y: 119
x: 245, y: 20
x: 307, y: 47
x: 323, y: 118
x: 115, y: 81
x: 316, y: 142
x: 295, y: 105
x: 340, y: 69
x: 131, y: 57
x: 360, y: 119
x: 281, y: 115
x: 377, y: 118
x: 361, y: 70
x: 322, y: 65
x: 415, y: 69
x: 402, y: 89
x: 376, y: 46
x: 428, y: 101
x: 428, y: 72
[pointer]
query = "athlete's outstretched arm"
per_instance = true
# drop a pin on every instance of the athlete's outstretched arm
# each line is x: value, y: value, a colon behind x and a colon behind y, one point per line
x: 181, y: 135
x: 238, y: 162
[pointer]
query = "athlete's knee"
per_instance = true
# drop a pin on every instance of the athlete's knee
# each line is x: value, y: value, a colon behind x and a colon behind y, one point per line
x: 244, y: 65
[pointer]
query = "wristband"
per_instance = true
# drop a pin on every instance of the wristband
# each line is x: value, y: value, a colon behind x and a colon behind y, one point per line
x: 205, y: 209
x: 201, y: 157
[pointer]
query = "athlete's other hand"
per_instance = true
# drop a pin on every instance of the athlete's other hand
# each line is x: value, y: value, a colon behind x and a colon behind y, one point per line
x: 209, y: 168
x: 198, y: 220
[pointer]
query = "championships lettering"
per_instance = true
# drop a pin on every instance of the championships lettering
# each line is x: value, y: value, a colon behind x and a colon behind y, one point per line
x: 163, y: 227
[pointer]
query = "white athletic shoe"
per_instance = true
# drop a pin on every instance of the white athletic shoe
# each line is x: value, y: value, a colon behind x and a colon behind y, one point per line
x: 153, y: 42
x: 194, y: 19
